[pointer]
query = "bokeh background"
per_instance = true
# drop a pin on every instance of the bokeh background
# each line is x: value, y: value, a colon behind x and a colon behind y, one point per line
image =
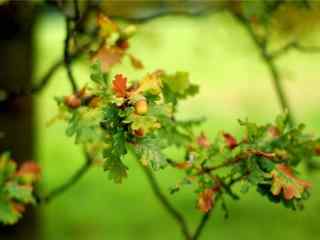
x: 234, y: 83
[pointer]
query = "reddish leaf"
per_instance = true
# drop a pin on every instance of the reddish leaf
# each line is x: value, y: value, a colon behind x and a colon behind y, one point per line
x: 29, y: 168
x: 72, y: 101
x: 207, y: 197
x: 230, y: 141
x: 18, y: 207
x: 283, y: 180
x: 123, y: 44
x: 203, y: 141
x: 317, y: 149
x: 119, y: 85
x: 274, y: 132
x: 108, y: 57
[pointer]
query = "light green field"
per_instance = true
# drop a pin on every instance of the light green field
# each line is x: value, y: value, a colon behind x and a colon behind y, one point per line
x: 234, y: 84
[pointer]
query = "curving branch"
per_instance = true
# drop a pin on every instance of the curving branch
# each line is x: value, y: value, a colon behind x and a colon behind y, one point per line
x: 69, y: 183
x: 202, y: 224
x: 295, y: 46
x: 268, y: 60
x: 53, y: 69
x: 67, y: 57
x: 166, y: 204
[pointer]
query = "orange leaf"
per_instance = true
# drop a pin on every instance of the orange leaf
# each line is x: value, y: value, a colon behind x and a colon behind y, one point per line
x: 135, y: 62
x: 206, y: 199
x: 18, y: 207
x: 106, y: 25
x: 203, y: 141
x: 108, y: 56
x: 29, y: 168
x: 119, y: 85
x: 183, y: 165
x: 283, y: 180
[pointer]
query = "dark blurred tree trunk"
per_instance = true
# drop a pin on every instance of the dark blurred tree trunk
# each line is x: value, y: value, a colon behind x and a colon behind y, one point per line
x: 16, y: 113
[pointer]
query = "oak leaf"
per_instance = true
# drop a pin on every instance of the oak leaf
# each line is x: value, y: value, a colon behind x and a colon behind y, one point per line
x: 108, y: 56
x: 283, y: 180
x: 119, y: 85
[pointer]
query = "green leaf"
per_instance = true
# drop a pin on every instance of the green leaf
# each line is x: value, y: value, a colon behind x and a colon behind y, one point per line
x: 117, y: 170
x: 114, y: 154
x: 85, y: 125
x: 21, y: 193
x: 149, y: 152
x: 97, y: 75
x: 7, y: 213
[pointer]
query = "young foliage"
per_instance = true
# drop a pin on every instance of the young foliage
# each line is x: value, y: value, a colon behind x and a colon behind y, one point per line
x: 263, y: 158
x: 16, y: 188
x: 137, y: 117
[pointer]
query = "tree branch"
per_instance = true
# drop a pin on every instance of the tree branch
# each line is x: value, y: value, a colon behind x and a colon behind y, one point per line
x: 52, y: 70
x: 67, y: 57
x: 296, y: 46
x: 267, y: 58
x: 70, y: 182
x: 166, y: 204
x: 202, y: 224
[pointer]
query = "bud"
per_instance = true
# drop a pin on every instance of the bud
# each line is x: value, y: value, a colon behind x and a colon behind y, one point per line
x: 138, y: 133
x: 274, y: 131
x: 141, y: 107
x: 317, y: 149
x: 72, y: 101
x: 123, y: 44
x: 230, y: 141
x: 203, y: 141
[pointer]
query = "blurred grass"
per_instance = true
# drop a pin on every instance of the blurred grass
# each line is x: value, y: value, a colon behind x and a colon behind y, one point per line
x: 234, y: 84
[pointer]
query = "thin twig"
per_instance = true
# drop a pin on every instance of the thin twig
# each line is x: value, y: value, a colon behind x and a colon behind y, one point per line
x: 267, y: 58
x: 296, y: 46
x: 166, y: 204
x: 202, y: 224
x: 53, y: 69
x: 76, y: 10
x: 70, y: 182
x: 67, y: 58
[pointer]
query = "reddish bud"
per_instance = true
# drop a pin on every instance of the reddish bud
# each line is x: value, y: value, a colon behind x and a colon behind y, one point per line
x: 230, y: 141
x: 123, y: 44
x: 72, y: 101
x: 317, y: 149
x: 274, y: 132
x: 138, y: 133
x: 203, y: 141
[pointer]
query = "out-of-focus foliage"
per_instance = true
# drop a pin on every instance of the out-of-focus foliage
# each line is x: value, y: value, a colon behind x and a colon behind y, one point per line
x: 16, y: 188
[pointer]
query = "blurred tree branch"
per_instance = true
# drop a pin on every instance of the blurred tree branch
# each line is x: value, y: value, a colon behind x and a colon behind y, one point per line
x: 69, y: 183
x: 269, y: 61
x: 166, y: 204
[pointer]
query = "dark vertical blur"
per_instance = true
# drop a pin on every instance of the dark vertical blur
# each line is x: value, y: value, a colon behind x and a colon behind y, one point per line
x: 16, y: 113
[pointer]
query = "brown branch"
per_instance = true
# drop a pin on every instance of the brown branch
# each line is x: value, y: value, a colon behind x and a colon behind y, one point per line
x: 295, y: 46
x: 66, y: 185
x: 202, y: 224
x: 67, y: 58
x: 53, y: 69
x: 268, y: 60
x: 166, y: 204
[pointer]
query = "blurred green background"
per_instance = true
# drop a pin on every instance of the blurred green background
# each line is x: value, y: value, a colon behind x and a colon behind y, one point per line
x: 234, y: 83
